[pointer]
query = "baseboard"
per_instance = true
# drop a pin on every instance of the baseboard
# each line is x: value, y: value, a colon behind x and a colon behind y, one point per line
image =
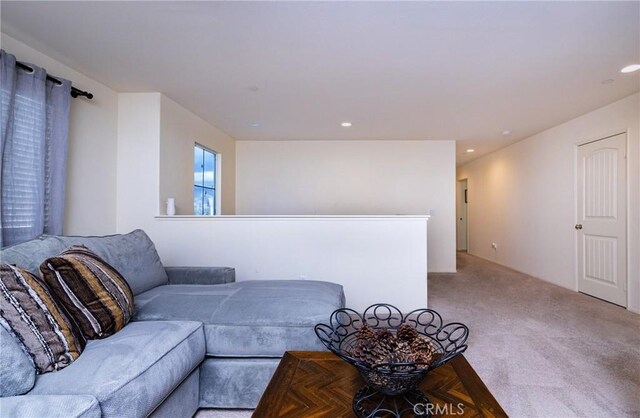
x: 446, y: 270
x: 630, y: 309
x: 523, y: 272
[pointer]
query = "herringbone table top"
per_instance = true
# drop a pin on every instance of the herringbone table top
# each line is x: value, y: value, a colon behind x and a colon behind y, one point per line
x: 320, y: 384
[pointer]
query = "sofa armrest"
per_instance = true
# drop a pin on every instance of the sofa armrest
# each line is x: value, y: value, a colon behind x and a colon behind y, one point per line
x: 200, y: 275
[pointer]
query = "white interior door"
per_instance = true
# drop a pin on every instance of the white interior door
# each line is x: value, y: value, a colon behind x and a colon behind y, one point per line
x: 601, y: 227
x: 461, y: 213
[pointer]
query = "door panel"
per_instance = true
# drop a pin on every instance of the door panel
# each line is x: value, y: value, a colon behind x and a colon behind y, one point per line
x: 601, y: 254
x: 601, y: 217
x: 600, y: 183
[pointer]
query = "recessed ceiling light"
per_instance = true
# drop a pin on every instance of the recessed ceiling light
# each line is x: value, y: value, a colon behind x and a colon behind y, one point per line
x: 255, y: 124
x: 630, y: 68
x: 607, y: 81
x: 471, y: 150
x: 345, y: 124
x: 506, y: 132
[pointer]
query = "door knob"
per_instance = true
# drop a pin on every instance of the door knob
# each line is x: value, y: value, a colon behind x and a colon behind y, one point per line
x: 578, y: 226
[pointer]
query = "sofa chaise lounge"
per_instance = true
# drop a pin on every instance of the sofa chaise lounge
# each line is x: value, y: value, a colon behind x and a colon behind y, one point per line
x: 198, y: 338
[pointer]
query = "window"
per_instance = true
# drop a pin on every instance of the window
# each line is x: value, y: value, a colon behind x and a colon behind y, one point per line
x: 34, y: 114
x: 204, y: 181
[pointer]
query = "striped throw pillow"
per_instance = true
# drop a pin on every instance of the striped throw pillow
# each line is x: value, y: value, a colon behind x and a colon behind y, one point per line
x: 93, y: 292
x: 42, y: 328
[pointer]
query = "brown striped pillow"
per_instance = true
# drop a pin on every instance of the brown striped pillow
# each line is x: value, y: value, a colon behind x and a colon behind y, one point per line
x: 42, y: 328
x: 93, y: 292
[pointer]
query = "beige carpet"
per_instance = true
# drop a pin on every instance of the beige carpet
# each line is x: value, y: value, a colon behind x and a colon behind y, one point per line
x: 542, y: 350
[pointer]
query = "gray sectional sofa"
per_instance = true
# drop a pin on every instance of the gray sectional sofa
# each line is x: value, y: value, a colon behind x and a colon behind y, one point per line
x: 198, y: 339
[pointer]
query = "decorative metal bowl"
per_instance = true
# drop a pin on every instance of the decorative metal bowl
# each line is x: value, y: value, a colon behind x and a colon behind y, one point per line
x: 340, y: 336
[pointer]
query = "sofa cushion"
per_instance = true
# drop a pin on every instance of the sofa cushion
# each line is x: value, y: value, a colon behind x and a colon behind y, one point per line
x: 184, y: 401
x: 17, y: 373
x: 40, y: 326
x: 132, y: 254
x: 30, y: 254
x: 235, y: 382
x: 262, y: 318
x: 93, y: 293
x: 50, y: 406
x: 134, y: 370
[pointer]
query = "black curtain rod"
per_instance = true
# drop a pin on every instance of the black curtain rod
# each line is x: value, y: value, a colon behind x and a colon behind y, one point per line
x: 74, y: 91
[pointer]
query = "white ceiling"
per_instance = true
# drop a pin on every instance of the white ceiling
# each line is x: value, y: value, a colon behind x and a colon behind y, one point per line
x: 417, y: 70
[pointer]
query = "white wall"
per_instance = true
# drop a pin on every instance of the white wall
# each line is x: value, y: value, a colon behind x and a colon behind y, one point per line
x: 523, y: 197
x: 375, y: 259
x: 179, y: 131
x: 90, y: 203
x: 138, y: 160
x: 353, y: 178
x: 370, y: 257
x: 155, y: 158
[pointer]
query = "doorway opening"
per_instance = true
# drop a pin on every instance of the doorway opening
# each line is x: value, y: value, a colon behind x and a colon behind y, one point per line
x: 462, y: 235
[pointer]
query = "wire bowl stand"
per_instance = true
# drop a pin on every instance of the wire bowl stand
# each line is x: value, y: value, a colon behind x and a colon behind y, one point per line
x: 391, y: 388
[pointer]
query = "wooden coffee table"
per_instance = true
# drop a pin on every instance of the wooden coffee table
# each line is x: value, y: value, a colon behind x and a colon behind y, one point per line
x: 320, y: 384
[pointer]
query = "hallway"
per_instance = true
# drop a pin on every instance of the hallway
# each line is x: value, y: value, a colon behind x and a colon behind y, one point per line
x: 542, y: 350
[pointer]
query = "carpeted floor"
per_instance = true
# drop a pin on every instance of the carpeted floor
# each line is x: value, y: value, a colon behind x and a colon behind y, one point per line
x: 542, y: 350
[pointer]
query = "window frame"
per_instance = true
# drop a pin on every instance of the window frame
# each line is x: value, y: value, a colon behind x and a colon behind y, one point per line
x: 217, y: 158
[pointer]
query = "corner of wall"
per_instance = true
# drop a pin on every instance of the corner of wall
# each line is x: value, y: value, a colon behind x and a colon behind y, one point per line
x: 138, y: 159
x: 180, y: 129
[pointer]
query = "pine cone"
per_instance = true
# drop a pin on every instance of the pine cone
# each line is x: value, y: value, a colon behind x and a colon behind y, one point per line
x: 365, y: 351
x: 407, y: 333
x: 423, y: 350
x: 383, y: 333
x: 385, y: 344
x: 404, y: 347
x: 396, y: 358
x: 386, y: 339
x: 365, y: 333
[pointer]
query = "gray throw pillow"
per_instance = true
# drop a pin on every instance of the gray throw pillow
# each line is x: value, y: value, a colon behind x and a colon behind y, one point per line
x: 17, y: 373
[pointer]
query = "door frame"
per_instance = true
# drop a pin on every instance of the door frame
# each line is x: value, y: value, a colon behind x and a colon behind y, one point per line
x: 576, y: 146
x: 466, y: 232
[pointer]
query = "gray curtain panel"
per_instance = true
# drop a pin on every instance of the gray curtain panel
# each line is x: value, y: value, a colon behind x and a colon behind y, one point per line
x: 34, y: 127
